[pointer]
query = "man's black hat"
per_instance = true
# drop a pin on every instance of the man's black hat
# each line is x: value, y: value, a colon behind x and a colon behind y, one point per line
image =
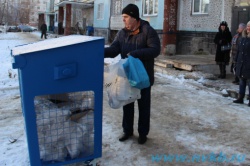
x: 131, y: 10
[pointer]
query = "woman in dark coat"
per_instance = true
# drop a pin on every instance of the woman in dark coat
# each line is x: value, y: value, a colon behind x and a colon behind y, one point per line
x: 222, y: 38
x: 235, y: 42
x: 243, y: 64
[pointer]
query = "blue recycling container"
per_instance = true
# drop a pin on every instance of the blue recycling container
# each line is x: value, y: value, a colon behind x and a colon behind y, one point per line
x: 61, y: 88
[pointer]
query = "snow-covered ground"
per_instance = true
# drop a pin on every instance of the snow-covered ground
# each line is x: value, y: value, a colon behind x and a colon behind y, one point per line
x: 186, y: 119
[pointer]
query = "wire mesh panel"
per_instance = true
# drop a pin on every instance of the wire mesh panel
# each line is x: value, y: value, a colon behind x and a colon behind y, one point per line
x: 65, y: 125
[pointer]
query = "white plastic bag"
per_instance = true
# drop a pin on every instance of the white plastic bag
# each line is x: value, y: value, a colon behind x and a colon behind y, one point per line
x: 117, y: 86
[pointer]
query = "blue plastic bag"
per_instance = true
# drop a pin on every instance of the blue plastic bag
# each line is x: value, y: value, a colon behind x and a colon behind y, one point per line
x: 136, y: 73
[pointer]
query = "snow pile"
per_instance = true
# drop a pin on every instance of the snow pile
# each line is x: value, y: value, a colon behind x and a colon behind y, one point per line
x: 52, y: 43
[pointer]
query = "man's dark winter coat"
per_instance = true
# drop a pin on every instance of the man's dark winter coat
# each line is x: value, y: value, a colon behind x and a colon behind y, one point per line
x: 145, y: 46
x: 44, y: 28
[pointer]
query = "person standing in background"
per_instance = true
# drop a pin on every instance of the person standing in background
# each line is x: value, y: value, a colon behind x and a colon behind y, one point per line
x: 242, y: 60
x: 235, y: 42
x: 44, y: 30
x: 222, y: 57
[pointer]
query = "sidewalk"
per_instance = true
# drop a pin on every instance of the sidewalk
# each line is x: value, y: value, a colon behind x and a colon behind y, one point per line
x: 189, y: 62
x: 198, y: 67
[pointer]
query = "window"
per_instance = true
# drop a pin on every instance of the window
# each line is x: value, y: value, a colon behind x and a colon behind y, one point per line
x: 150, y: 7
x: 200, y: 7
x: 100, y: 10
x: 78, y: 15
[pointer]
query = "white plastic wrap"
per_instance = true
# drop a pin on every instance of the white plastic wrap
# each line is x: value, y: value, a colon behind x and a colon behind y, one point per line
x: 117, y: 86
x: 58, y: 135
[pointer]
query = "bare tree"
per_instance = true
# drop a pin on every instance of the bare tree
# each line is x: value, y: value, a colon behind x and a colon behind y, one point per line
x: 15, y: 12
x: 24, y: 16
x: 3, y: 11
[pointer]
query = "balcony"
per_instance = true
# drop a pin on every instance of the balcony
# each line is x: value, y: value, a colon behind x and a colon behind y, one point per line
x: 83, y: 3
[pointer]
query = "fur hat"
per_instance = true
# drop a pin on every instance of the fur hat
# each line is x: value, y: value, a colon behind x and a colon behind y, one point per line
x: 248, y: 23
x: 242, y: 25
x: 131, y: 10
x: 223, y: 23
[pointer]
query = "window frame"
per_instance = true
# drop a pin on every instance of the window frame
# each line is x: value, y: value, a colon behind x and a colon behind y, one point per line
x: 100, y: 11
x: 200, y: 8
x: 154, y: 8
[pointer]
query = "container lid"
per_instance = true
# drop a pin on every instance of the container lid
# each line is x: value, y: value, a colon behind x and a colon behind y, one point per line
x: 52, y: 43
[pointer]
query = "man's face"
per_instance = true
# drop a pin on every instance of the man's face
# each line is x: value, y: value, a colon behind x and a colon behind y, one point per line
x: 128, y: 21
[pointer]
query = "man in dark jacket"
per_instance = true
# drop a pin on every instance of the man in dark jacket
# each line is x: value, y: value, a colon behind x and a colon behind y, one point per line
x: 140, y: 40
x: 43, y: 30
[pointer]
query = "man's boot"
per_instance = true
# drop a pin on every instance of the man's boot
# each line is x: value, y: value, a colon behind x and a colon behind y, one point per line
x: 248, y: 103
x: 240, y: 99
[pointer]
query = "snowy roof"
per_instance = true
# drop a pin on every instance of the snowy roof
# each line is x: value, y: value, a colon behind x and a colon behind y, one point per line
x: 52, y: 43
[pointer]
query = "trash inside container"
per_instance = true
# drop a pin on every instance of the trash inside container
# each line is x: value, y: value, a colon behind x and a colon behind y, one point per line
x: 61, y: 87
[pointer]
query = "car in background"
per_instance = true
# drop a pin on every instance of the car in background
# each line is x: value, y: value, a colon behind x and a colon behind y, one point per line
x: 33, y: 28
x: 27, y: 28
x: 13, y: 29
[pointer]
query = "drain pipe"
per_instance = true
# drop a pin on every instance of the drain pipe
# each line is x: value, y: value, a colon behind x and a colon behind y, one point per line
x: 169, y: 25
x: 222, y: 11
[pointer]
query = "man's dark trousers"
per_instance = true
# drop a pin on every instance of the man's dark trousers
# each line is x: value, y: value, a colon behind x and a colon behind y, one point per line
x: 144, y: 114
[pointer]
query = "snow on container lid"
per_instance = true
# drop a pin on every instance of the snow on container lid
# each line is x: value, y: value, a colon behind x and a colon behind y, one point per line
x: 52, y: 43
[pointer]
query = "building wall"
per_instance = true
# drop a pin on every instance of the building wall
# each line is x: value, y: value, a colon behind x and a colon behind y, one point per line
x: 155, y: 21
x: 56, y: 10
x: 112, y: 21
x: 102, y: 25
x: 37, y: 7
x: 88, y: 14
x: 196, y: 32
x: 116, y: 17
x: 218, y: 11
x: 84, y: 16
